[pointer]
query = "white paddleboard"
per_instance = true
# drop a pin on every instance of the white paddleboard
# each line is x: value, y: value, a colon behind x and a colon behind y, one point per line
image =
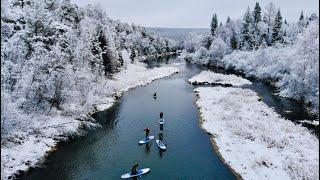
x: 161, y: 145
x: 161, y: 121
x: 139, y: 173
x: 143, y: 141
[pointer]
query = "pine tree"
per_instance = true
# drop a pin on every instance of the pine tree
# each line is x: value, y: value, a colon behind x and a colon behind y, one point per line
x: 257, y: 13
x: 214, y: 24
x: 302, y: 22
x: 301, y: 16
x: 132, y: 55
x: 228, y: 20
x: 268, y: 18
x: 276, y: 34
x: 256, y: 31
x: 246, y: 32
x: 233, y: 42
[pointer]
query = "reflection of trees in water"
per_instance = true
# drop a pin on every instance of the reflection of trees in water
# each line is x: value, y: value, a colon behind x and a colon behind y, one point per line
x: 108, y: 118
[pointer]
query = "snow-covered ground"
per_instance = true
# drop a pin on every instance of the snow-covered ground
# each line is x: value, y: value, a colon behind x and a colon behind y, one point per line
x: 313, y: 122
x: 28, y: 146
x: 253, y: 139
x: 209, y: 77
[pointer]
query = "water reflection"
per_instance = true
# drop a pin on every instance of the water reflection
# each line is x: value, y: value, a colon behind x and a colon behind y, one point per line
x: 148, y: 147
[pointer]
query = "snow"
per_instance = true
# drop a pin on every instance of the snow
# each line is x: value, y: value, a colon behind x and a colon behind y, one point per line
x: 312, y: 122
x: 209, y: 77
x: 253, y: 139
x: 42, y: 132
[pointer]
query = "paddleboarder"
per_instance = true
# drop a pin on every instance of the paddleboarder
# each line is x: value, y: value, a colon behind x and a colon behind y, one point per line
x: 160, y: 136
x: 134, y: 169
x: 161, y: 121
x: 147, y: 130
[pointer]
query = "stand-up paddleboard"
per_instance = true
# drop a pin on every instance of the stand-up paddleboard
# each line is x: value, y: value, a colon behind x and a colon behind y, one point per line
x: 161, y: 145
x: 143, y: 141
x: 161, y: 121
x: 139, y: 173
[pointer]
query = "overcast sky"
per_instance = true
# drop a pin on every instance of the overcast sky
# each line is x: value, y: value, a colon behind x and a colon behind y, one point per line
x: 193, y: 13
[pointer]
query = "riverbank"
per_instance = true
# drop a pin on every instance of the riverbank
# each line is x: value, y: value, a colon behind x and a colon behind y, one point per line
x: 254, y: 140
x: 29, y: 146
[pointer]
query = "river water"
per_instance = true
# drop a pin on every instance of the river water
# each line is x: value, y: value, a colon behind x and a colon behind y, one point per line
x: 109, y: 151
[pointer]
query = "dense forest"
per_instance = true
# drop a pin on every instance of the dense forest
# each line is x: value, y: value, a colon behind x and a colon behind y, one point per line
x: 53, y: 52
x: 264, y: 45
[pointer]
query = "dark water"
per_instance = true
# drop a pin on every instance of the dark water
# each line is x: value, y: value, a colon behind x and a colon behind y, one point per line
x: 108, y: 152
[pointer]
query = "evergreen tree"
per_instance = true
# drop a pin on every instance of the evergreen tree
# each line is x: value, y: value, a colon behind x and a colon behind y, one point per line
x: 233, y: 42
x: 256, y: 31
x: 132, y: 55
x: 301, y: 16
x: 246, y: 31
x: 276, y: 34
x: 214, y: 24
x: 268, y: 18
x: 313, y: 17
x: 302, y: 21
x: 257, y: 13
x: 228, y: 20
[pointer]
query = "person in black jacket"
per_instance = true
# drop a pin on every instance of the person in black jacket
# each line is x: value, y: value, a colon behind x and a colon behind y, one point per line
x: 160, y: 136
x: 134, y: 170
x: 147, y: 130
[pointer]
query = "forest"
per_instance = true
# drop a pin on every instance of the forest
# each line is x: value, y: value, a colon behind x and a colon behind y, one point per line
x: 264, y: 45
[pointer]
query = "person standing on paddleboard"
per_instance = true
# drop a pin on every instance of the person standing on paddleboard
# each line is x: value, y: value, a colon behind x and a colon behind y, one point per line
x: 147, y: 130
x: 161, y: 121
x: 134, y: 169
x: 160, y: 136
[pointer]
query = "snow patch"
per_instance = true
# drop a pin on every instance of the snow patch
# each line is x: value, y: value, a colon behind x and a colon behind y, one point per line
x: 209, y: 77
x: 253, y: 139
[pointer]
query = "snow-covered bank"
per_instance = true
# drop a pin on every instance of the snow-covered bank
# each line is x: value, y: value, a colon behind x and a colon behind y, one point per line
x: 29, y: 142
x: 209, y: 77
x: 313, y: 122
x: 253, y: 139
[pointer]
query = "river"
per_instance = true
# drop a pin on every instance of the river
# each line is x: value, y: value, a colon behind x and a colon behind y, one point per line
x: 109, y: 151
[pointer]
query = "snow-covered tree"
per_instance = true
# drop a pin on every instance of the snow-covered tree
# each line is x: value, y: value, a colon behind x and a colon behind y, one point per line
x: 277, y: 34
x: 214, y: 24
x: 247, y: 39
x: 257, y: 13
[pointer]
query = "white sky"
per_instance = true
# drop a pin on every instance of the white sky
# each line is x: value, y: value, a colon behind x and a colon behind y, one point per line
x: 193, y: 13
